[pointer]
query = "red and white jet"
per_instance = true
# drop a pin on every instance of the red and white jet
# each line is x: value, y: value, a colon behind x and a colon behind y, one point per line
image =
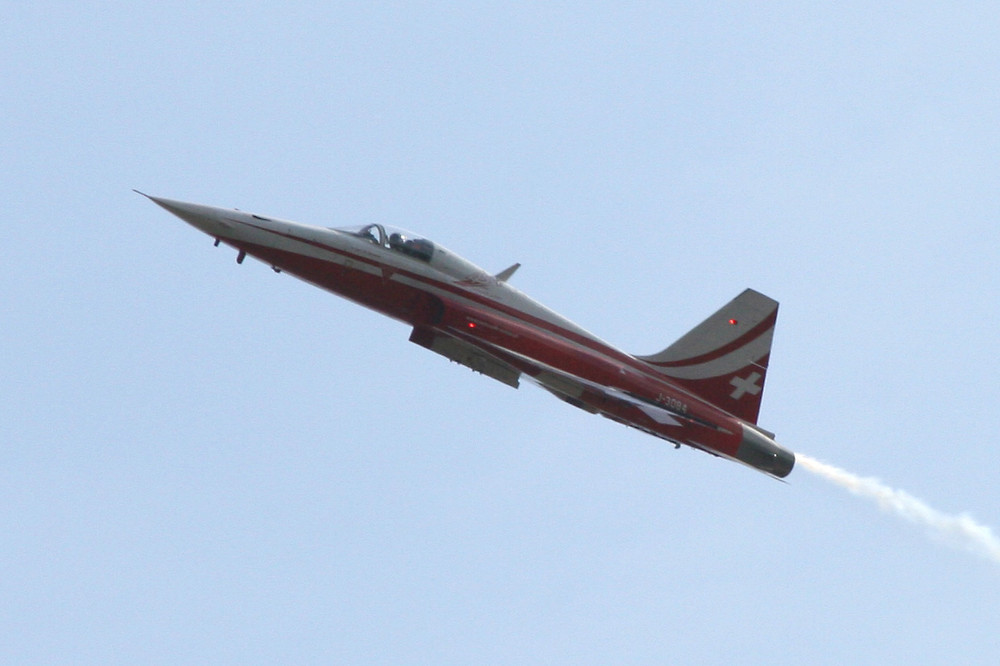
x: 703, y: 390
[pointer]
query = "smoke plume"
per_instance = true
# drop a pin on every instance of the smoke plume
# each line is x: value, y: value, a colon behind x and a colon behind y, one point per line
x: 961, y: 530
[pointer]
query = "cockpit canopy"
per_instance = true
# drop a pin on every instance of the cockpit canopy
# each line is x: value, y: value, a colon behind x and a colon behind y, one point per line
x: 395, y: 239
x: 411, y: 245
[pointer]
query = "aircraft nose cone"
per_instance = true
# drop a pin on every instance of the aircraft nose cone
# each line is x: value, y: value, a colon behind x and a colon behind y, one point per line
x: 203, y: 218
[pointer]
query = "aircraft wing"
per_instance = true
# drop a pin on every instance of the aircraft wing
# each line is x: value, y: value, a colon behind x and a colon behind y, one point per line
x: 507, y: 366
x: 569, y: 386
x: 465, y: 353
x: 572, y: 388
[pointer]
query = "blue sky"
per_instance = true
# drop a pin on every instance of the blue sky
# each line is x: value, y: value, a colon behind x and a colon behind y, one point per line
x: 205, y: 462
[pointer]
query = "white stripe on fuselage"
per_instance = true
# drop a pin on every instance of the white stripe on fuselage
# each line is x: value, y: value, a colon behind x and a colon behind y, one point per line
x: 362, y: 255
x: 482, y: 291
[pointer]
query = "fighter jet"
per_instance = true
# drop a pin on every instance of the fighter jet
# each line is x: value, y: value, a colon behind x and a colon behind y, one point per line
x: 703, y: 391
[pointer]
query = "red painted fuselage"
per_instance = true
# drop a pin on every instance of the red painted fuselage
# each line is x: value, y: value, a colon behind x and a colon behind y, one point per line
x: 703, y: 391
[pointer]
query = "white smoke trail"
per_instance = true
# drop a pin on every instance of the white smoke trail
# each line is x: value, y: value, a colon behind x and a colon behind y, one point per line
x: 961, y: 531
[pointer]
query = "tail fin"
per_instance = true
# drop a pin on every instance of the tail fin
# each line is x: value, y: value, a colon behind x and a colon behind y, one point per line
x: 724, y: 358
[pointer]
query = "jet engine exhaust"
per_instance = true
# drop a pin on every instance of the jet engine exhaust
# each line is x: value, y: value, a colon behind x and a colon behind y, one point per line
x: 960, y: 531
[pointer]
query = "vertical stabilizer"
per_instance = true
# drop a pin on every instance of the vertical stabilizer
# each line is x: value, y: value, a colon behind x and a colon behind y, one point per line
x: 724, y: 358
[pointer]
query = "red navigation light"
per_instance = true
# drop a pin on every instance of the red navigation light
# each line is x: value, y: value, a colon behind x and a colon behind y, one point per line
x: 472, y: 324
x: 733, y: 322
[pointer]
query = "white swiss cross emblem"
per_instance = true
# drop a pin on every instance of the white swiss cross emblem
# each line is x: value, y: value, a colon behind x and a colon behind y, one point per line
x: 745, y: 385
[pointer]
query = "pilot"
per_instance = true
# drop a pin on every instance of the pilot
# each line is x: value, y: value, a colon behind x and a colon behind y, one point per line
x: 396, y: 240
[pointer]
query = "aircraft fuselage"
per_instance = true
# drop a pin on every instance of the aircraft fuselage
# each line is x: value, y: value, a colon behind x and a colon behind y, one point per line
x: 477, y: 319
